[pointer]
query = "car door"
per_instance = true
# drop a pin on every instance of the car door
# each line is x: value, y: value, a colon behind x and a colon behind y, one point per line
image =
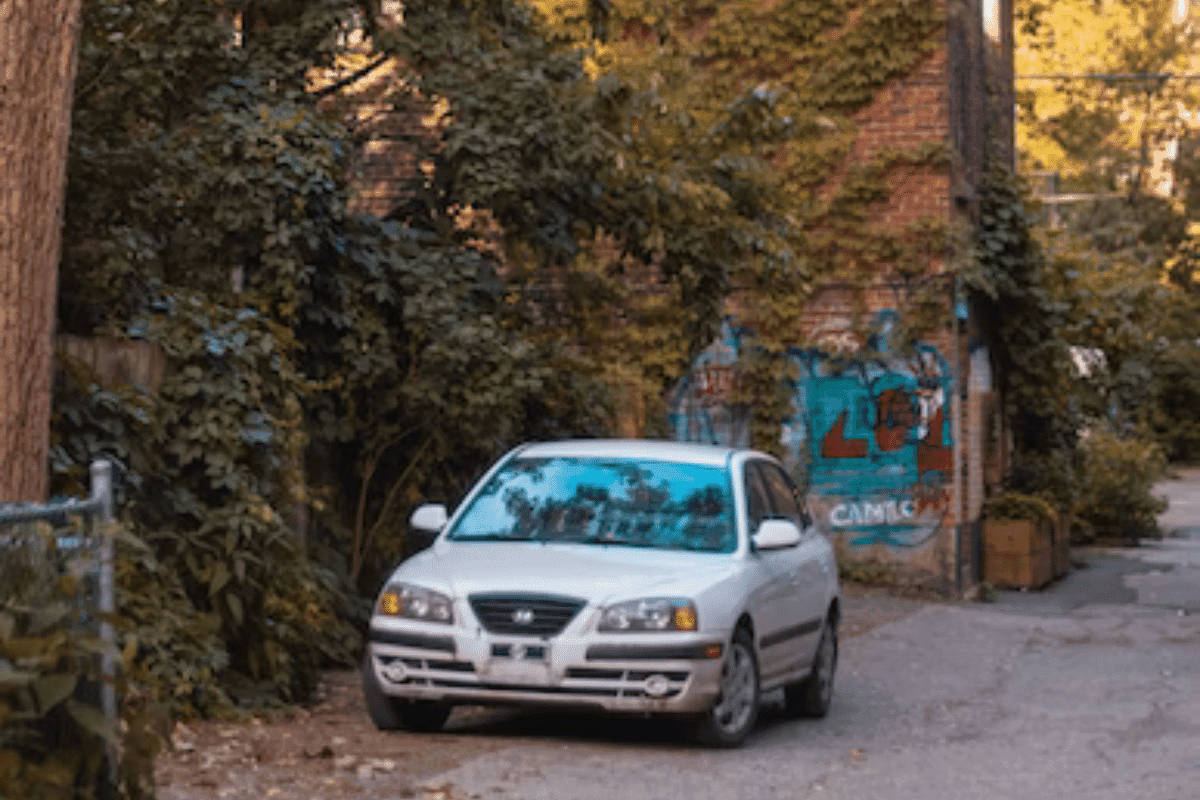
x: 806, y: 565
x: 774, y: 599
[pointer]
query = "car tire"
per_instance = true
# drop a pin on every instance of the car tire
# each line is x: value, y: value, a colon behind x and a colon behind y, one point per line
x: 729, y: 722
x: 422, y: 716
x: 813, y: 696
x: 380, y: 707
x: 393, y: 714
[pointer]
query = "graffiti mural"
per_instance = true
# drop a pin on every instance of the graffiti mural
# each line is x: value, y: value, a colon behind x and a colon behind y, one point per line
x: 701, y: 409
x: 872, y: 435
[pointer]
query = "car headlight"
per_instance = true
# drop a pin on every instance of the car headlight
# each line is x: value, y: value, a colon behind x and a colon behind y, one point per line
x: 415, y: 602
x: 650, y: 614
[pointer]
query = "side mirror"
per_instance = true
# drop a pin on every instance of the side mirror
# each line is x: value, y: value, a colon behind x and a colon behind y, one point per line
x: 776, y: 534
x: 430, y: 518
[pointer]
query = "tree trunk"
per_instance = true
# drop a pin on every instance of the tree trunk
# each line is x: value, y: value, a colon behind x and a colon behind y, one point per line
x: 38, y: 41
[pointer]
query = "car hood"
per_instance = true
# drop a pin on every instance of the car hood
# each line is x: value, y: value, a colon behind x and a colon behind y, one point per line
x: 596, y: 572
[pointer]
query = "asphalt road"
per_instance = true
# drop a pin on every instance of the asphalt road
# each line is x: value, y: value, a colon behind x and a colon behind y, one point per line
x: 1088, y: 690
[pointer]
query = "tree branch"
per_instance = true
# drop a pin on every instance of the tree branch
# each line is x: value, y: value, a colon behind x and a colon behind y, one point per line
x: 353, y: 77
x: 381, y: 517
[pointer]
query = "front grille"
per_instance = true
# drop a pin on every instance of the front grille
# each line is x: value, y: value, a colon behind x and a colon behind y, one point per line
x: 525, y: 614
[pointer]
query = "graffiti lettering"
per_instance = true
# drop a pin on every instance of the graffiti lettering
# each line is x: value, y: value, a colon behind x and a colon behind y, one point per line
x: 836, y: 445
x: 932, y: 454
x: 873, y: 431
x: 930, y: 498
x: 895, y: 415
x: 715, y: 381
x: 853, y: 515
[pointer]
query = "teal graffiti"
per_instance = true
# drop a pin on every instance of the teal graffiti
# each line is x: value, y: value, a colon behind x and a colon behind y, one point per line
x: 872, y: 431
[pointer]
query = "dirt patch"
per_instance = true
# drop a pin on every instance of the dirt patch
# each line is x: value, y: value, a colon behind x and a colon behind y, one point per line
x: 332, y: 751
x: 329, y: 751
x: 865, y: 608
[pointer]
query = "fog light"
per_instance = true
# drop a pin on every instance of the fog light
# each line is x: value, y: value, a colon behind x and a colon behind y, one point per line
x: 656, y: 686
x: 395, y: 672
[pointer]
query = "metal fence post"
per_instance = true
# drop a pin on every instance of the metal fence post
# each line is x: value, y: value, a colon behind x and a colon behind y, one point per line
x: 102, y: 494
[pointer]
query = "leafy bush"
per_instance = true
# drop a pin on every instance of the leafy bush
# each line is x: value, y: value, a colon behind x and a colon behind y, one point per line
x: 1175, y: 413
x: 54, y: 737
x: 218, y: 599
x: 1115, y: 499
x: 1014, y: 505
x: 176, y: 655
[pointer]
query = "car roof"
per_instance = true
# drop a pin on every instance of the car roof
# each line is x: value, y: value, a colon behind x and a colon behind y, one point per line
x: 648, y: 449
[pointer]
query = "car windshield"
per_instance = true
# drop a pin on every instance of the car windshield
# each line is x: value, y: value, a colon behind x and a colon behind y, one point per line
x: 607, y: 501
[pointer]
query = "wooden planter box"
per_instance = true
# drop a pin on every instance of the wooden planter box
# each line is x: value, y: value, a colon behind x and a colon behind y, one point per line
x: 1018, y: 554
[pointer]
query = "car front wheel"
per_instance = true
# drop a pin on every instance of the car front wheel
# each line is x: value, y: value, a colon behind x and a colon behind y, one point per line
x: 813, y: 696
x: 730, y: 721
x: 391, y: 713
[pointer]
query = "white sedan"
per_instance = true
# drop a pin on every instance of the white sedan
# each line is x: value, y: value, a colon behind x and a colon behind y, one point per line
x: 622, y: 576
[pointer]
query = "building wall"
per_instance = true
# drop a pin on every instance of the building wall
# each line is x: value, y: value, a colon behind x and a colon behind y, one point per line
x: 894, y: 444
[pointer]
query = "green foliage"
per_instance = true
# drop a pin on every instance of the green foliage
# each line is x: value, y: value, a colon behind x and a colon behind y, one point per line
x: 1102, y: 134
x: 1095, y: 285
x: 1175, y: 415
x: 1126, y: 264
x: 175, y: 655
x: 1115, y: 499
x: 54, y: 737
x: 314, y: 360
x: 754, y: 185
x: 1013, y: 289
x: 425, y: 373
x: 226, y: 590
x: 1015, y: 505
x: 1110, y: 262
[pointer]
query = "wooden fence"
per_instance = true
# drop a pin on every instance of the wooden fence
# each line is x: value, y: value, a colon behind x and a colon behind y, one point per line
x: 115, y: 361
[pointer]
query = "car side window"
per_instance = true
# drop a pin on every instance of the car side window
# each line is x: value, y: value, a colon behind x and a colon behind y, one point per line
x: 785, y: 502
x: 758, y: 504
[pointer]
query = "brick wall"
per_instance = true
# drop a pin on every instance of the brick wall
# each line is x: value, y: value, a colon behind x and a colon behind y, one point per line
x: 393, y: 127
x: 900, y: 447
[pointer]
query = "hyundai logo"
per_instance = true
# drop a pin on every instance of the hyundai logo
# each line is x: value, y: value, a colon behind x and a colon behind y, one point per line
x: 523, y: 616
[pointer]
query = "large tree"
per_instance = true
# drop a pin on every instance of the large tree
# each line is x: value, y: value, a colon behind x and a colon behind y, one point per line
x: 37, y: 70
x: 1116, y: 118
x: 1103, y: 92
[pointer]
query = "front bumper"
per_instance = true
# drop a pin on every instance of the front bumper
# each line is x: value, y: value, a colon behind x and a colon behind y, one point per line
x: 656, y: 673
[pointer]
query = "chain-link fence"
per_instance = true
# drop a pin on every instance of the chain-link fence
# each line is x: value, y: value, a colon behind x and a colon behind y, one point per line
x: 58, y: 653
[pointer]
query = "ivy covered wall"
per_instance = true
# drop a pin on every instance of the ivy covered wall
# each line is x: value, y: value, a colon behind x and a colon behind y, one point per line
x: 875, y: 384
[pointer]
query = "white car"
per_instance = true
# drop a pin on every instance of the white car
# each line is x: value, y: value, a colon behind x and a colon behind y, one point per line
x: 615, y: 575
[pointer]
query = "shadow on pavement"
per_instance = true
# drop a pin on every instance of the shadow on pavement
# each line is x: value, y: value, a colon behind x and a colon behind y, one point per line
x: 562, y: 727
x: 1101, y: 582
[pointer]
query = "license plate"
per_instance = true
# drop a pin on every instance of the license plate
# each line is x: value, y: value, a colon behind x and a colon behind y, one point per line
x: 520, y: 666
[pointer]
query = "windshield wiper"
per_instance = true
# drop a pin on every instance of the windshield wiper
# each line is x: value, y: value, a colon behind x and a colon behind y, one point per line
x: 601, y: 539
x: 492, y: 537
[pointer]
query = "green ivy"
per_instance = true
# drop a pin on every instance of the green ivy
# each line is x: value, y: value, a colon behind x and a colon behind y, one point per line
x: 1013, y: 288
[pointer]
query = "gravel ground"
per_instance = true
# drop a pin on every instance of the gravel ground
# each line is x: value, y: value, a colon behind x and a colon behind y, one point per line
x: 331, y: 751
